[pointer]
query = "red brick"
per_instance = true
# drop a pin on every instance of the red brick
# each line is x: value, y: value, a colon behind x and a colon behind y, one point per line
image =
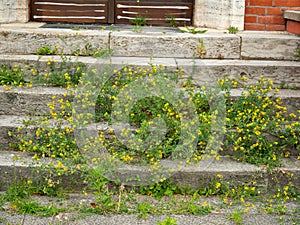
x: 250, y: 19
x: 271, y: 20
x: 287, y: 3
x: 251, y: 26
x: 274, y: 11
x: 275, y: 27
x: 259, y: 3
x: 256, y: 11
x: 293, y: 27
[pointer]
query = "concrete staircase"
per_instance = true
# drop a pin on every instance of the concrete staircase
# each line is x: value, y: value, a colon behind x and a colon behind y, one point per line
x: 214, y: 53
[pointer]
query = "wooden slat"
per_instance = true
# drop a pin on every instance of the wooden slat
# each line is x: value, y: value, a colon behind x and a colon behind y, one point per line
x: 71, y: 1
x: 71, y: 11
x: 72, y: 20
x: 69, y: 8
x: 84, y: 11
x: 156, y: 15
x: 159, y: 1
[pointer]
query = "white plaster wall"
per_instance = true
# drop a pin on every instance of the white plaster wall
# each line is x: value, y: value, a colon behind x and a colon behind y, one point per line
x: 14, y: 11
x: 219, y: 14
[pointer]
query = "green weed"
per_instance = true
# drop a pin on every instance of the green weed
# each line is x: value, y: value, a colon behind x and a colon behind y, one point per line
x: 12, y: 76
x: 47, y: 50
x: 192, y: 30
x: 168, y: 221
x: 233, y: 30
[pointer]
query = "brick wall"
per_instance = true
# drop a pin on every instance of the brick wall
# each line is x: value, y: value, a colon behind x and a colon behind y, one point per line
x: 267, y: 14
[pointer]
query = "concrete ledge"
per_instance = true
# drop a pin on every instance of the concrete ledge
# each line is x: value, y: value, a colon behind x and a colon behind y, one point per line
x: 28, y: 41
x: 32, y: 101
x: 283, y: 73
x: 187, y: 176
x: 175, y: 45
x: 169, y: 44
x: 292, y: 15
x: 269, y: 47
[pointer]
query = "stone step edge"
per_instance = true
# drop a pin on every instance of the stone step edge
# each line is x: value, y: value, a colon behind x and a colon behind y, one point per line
x: 20, y: 164
x: 169, y: 44
x: 34, y: 100
x: 283, y: 73
x: 11, y: 126
x: 145, y: 61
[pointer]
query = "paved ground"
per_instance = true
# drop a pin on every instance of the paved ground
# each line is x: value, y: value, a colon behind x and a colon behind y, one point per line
x: 216, y: 219
x: 254, y: 216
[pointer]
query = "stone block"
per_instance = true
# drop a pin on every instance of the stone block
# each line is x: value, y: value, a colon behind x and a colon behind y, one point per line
x: 174, y: 45
x: 219, y: 14
x: 29, y: 41
x: 292, y: 15
x: 269, y: 46
x: 28, y: 101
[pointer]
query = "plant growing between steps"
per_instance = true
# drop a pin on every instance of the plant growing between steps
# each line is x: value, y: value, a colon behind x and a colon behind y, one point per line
x: 171, y: 19
x: 167, y: 221
x: 258, y: 133
x: 297, y: 54
x: 12, y: 76
x: 192, y: 30
x: 249, y: 128
x: 138, y: 22
x: 90, y: 50
x: 233, y: 30
x: 47, y: 50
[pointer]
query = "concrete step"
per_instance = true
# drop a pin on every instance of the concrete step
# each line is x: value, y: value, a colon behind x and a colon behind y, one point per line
x: 33, y: 101
x: 192, y: 176
x: 170, y: 43
x: 11, y: 126
x: 283, y: 73
x: 28, y: 101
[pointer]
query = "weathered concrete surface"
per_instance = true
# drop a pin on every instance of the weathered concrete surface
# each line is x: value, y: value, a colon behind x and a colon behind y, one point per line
x: 175, y: 45
x: 28, y: 41
x: 12, y: 11
x: 292, y: 15
x: 213, y: 44
x: 191, y: 176
x: 269, y: 46
x: 215, y: 218
x: 28, y: 101
x: 219, y: 13
x: 283, y: 73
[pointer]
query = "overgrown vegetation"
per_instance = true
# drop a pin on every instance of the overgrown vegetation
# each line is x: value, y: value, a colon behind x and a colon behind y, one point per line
x: 259, y: 130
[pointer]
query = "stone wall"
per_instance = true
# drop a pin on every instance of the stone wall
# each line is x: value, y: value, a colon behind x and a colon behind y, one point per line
x: 219, y: 14
x: 14, y: 11
x: 268, y: 14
